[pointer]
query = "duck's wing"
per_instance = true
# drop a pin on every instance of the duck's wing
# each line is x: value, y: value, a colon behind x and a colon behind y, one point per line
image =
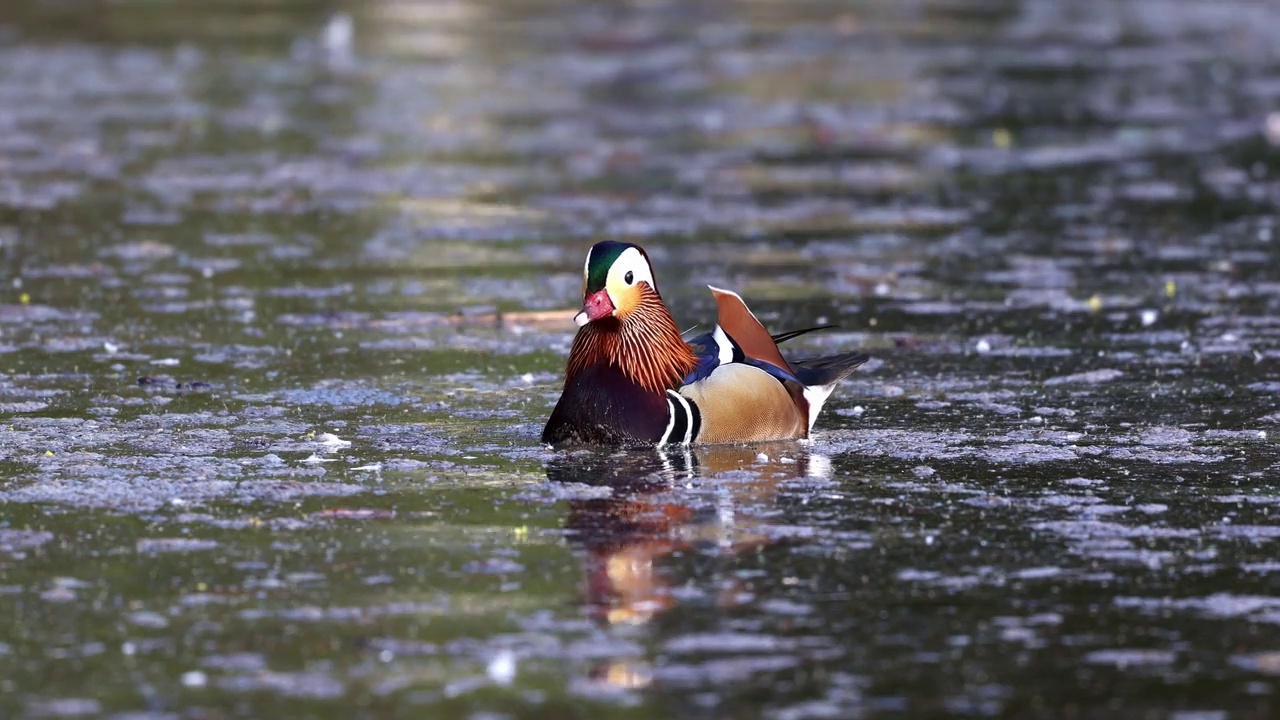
x: 717, y: 349
x: 740, y: 324
x: 740, y: 337
x: 736, y: 395
x: 742, y: 388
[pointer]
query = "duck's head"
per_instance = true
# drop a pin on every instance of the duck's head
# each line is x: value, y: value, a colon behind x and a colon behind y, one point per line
x: 616, y: 280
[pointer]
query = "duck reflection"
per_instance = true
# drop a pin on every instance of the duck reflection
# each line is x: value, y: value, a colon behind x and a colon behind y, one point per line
x: 665, y: 501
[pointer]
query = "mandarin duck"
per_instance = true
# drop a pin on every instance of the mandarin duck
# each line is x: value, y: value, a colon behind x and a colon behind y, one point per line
x: 632, y: 379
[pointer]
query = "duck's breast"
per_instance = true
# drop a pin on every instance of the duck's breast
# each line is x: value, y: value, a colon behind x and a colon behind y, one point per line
x: 601, y: 406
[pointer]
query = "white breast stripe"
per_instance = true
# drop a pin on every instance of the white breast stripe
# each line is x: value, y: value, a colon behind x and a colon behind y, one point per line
x: 724, y: 346
x: 671, y: 421
x: 681, y: 404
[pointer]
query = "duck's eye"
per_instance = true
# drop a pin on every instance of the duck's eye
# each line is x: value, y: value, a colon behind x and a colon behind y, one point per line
x: 629, y: 278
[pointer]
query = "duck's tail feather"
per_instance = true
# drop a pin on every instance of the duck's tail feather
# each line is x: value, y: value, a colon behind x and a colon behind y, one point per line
x: 827, y: 370
x: 785, y: 336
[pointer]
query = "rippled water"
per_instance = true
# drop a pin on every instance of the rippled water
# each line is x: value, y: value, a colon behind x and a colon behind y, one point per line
x: 285, y: 293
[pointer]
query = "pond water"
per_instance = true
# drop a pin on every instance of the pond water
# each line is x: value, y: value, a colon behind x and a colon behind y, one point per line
x: 285, y: 296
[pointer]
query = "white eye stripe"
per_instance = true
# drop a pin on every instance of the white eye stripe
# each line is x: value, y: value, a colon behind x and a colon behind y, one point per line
x: 632, y: 261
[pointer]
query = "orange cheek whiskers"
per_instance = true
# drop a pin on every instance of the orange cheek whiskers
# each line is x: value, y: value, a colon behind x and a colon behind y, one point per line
x: 642, y: 341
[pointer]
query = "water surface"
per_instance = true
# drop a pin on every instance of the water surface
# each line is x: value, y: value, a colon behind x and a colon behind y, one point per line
x: 285, y: 293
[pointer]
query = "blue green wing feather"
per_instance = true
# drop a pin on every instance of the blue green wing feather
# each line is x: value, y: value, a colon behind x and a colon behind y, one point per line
x: 716, y: 348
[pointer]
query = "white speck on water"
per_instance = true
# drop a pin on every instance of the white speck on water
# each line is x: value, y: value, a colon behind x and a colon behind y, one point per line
x: 1125, y: 657
x: 194, y: 679
x: 166, y: 362
x: 762, y: 458
x: 314, y: 458
x: 1149, y: 317
x: 1038, y: 573
x: 502, y: 669
x: 23, y: 407
x: 58, y: 594
x: 858, y: 410
x: 527, y: 378
x: 128, y: 649
x: 983, y: 346
x: 338, y: 33
x: 1090, y: 377
x: 1271, y: 128
x: 1198, y: 715
x: 111, y: 348
x: 386, y: 656
x: 819, y: 466
x: 375, y: 467
x: 331, y: 441
x: 65, y: 707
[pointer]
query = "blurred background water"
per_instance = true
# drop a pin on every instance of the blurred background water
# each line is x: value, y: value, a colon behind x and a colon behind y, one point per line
x: 285, y: 290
